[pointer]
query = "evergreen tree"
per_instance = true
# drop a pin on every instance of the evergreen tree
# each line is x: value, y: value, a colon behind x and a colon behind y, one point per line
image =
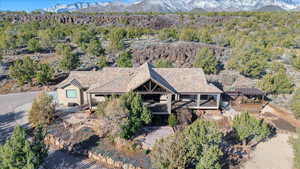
x: 23, y: 70
x: 116, y: 37
x: 276, y: 83
x: 16, y: 153
x: 39, y: 147
x: 124, y: 60
x: 42, y: 110
x: 44, y: 73
x: 94, y: 48
x: 206, y: 60
x: 248, y: 128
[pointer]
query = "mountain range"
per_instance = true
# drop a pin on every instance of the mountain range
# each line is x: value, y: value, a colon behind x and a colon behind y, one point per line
x: 178, y: 6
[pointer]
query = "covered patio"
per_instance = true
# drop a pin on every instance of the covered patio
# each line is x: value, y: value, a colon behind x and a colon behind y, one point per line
x: 198, y: 101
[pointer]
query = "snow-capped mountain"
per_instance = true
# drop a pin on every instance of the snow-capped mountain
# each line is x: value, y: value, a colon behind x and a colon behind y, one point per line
x: 175, y: 5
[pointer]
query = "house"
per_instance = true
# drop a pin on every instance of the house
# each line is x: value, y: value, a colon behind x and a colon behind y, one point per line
x: 162, y: 89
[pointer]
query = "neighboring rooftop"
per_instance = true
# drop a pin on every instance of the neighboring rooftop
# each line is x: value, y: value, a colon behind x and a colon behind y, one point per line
x: 120, y: 80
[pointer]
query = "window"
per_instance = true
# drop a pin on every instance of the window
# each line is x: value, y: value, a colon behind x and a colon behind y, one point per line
x: 71, y: 93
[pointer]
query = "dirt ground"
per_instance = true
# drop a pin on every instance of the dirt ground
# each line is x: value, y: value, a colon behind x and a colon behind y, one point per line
x: 276, y: 153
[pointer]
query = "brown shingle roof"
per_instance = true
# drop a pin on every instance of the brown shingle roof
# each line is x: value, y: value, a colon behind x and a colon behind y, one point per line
x: 120, y: 80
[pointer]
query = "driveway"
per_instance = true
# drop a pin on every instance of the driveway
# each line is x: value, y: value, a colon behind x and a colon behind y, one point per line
x: 13, y: 111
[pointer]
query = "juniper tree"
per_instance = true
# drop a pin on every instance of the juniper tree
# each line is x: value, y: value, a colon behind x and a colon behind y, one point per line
x: 42, y: 110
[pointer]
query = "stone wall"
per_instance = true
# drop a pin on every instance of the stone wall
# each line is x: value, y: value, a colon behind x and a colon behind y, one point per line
x: 58, y: 143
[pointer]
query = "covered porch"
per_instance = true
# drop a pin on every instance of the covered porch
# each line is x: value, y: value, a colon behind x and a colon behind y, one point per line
x: 209, y: 101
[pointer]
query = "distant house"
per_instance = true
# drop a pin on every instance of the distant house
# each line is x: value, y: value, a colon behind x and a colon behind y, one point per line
x: 162, y: 89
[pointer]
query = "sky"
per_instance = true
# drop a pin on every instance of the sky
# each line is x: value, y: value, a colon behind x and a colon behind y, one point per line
x: 29, y: 5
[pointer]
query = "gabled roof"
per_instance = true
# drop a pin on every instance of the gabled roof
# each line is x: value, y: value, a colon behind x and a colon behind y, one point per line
x: 121, y: 80
x: 146, y: 73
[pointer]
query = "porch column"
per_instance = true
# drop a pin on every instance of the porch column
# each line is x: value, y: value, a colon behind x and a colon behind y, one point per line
x: 198, y: 100
x: 169, y: 103
x: 90, y: 100
x: 218, y: 100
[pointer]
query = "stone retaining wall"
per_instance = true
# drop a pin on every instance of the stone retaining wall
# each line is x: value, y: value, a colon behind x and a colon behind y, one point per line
x: 58, y: 143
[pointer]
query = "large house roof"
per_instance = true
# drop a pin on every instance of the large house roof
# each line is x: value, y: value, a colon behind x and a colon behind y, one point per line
x: 121, y: 80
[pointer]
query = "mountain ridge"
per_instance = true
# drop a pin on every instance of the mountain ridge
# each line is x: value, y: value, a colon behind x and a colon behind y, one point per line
x: 175, y: 6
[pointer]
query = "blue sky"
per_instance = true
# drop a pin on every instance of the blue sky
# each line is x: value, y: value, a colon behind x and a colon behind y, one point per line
x: 29, y: 5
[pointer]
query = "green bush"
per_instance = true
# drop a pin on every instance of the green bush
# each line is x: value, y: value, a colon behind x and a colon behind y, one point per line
x: 34, y: 45
x: 166, y: 34
x: 69, y: 62
x: 124, y: 60
x: 42, y: 110
x: 102, y: 62
x: 138, y: 114
x: 94, y: 48
x: 23, y: 70
x: 161, y: 63
x: 295, y: 103
x: 116, y: 37
x: 206, y: 60
x: 295, y: 60
x: 44, y: 74
x: 172, y: 120
x: 188, y: 34
x: 296, y: 146
x: 197, y: 146
x: 248, y: 128
x: 276, y: 83
x: 249, y: 61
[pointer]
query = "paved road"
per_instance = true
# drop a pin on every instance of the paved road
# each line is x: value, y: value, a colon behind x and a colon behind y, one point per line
x: 13, y: 111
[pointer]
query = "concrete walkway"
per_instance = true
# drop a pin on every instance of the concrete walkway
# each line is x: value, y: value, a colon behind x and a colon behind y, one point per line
x: 14, y: 111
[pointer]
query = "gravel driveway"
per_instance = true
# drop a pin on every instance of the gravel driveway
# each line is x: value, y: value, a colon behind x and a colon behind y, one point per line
x: 13, y: 111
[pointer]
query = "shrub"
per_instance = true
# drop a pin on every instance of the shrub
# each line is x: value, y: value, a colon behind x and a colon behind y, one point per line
x: 69, y: 62
x: 295, y: 60
x: 42, y: 110
x: 123, y: 116
x: 124, y: 60
x: 166, y: 34
x: 138, y: 114
x: 34, y: 45
x: 116, y: 37
x: 206, y: 60
x: 249, y: 61
x: 102, y: 62
x: 172, y: 120
x: 94, y: 48
x: 63, y: 49
x: 295, y: 103
x: 296, y: 146
x: 199, y: 146
x: 161, y: 63
x: 276, y: 83
x: 248, y: 128
x: 188, y: 34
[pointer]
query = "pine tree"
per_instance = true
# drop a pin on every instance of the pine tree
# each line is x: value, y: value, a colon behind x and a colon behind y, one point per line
x: 16, y: 153
x: 206, y: 60
x: 124, y: 60
x: 39, y: 147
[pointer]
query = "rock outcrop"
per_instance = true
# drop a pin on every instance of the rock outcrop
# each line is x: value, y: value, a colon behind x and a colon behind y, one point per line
x: 145, y: 21
x: 181, y: 54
